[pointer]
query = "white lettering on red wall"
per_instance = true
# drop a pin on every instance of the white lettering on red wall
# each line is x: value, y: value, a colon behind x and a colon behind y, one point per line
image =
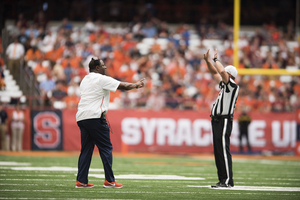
x: 187, y: 132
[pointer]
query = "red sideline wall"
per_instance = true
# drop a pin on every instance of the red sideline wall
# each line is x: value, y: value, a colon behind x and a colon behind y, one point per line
x: 184, y: 131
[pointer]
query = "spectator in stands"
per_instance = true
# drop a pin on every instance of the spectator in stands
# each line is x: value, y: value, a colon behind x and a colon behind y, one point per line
x: 58, y: 71
x: 280, y: 60
x: 106, y: 46
x: 172, y: 100
x: 243, y: 42
x: 188, y: 102
x: 291, y: 61
x: 138, y: 34
x: 66, y: 26
x: 17, y: 128
x: 32, y: 31
x: 129, y: 43
x: 40, y: 20
x: 202, y: 27
x: 163, y: 30
x: 69, y: 72
x: 89, y: 26
x: 222, y: 30
x: 40, y: 69
x: 73, y: 87
x: 48, y: 42
x: 270, y: 62
x: 56, y: 53
x: 15, y: 53
x: 155, y: 48
x: 59, y: 93
x: 149, y: 30
x: 46, y: 88
x: 289, y: 31
x: 3, y: 129
x: 86, y: 51
x: 81, y: 72
x: 21, y: 22
x: 72, y: 100
x: 2, y: 80
x: 122, y: 51
x: 211, y: 34
x: 34, y: 54
x: 23, y: 38
x: 69, y: 50
x: 156, y: 100
x: 185, y: 34
x: 171, y: 47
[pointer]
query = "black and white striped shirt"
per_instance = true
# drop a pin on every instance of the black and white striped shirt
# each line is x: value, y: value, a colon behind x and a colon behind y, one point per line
x: 225, y: 103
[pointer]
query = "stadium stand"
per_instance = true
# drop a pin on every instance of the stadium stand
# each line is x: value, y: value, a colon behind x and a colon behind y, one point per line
x: 11, y: 90
x: 171, y: 61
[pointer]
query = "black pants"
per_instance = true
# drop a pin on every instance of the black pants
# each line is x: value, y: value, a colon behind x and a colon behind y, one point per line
x: 94, y: 132
x: 221, y: 128
x: 244, y: 134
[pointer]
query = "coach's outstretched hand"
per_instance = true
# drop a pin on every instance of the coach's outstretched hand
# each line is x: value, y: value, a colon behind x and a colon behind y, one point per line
x: 140, y: 83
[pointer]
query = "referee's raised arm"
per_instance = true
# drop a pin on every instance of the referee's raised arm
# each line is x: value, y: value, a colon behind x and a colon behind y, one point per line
x: 211, y: 68
x: 220, y: 68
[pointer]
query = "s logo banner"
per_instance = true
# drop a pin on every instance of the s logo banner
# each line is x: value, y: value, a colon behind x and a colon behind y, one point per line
x: 46, y: 130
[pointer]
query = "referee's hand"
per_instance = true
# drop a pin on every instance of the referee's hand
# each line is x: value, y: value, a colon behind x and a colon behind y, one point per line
x: 216, y: 54
x: 205, y: 56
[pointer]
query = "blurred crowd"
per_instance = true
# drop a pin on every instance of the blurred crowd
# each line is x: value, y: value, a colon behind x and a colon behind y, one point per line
x: 176, y: 75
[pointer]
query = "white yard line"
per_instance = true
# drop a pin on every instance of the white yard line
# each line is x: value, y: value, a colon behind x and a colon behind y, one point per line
x: 135, y: 192
x: 8, y: 163
x: 59, y: 198
x: 54, y: 168
x: 149, y: 176
x: 254, y: 188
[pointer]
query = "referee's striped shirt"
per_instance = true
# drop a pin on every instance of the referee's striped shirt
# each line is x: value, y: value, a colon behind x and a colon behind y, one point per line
x: 225, y: 103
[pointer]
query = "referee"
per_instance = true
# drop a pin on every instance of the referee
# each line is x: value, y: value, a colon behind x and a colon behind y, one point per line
x: 221, y: 118
x: 95, y: 90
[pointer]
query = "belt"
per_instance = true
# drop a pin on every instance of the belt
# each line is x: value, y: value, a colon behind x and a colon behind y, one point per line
x: 14, y: 59
x: 103, y: 116
x: 219, y: 117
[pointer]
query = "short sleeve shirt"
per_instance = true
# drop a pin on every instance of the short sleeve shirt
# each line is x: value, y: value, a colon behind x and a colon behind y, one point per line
x: 15, y: 51
x: 95, y: 90
x: 3, y: 117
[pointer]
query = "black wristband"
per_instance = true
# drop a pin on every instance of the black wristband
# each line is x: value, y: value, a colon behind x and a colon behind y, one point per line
x: 215, y: 59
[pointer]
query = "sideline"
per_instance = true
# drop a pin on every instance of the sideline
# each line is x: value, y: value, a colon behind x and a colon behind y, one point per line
x: 143, y: 155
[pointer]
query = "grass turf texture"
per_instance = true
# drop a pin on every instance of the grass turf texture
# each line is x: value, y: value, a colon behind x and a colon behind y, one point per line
x: 248, y: 172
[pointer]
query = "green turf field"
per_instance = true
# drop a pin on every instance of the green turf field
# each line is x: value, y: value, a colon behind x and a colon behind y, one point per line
x: 162, y: 177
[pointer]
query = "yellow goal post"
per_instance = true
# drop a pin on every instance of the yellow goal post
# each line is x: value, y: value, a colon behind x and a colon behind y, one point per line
x: 271, y: 72
x: 236, y: 29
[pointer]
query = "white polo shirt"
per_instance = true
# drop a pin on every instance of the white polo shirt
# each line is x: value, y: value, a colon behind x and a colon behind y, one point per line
x: 95, y: 89
x: 15, y: 51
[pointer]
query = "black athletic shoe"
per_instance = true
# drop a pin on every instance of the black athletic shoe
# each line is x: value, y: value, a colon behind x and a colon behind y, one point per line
x: 221, y: 185
x: 217, y: 185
